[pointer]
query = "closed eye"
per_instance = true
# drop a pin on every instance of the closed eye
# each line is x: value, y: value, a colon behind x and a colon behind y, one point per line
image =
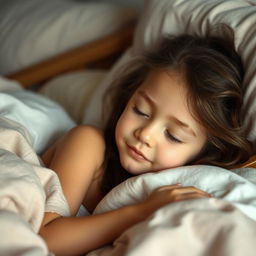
x: 172, y: 138
x: 139, y: 112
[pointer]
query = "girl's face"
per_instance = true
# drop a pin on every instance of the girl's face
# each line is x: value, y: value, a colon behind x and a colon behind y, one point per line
x: 156, y: 130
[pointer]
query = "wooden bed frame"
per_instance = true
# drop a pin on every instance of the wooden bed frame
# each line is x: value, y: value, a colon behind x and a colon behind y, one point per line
x: 100, y: 53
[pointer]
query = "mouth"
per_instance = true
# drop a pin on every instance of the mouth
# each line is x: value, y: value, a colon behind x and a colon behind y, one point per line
x: 136, y: 154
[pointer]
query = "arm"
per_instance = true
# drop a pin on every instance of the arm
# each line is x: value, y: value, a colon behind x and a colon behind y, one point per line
x: 77, y: 159
x: 77, y: 235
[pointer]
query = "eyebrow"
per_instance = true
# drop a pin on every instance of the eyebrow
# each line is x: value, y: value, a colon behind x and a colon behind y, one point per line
x: 183, y: 125
x: 147, y: 98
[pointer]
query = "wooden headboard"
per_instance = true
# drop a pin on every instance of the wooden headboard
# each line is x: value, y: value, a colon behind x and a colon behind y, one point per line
x: 98, y: 53
x: 251, y: 163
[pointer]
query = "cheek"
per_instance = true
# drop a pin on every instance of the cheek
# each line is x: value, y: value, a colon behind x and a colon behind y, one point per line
x: 168, y: 157
x: 123, y: 125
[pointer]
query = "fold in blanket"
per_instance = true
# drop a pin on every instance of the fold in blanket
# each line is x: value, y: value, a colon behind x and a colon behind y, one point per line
x: 27, y: 190
x: 222, y: 225
x: 195, y: 227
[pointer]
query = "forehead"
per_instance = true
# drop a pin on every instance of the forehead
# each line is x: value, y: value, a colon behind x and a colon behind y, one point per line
x: 165, y: 84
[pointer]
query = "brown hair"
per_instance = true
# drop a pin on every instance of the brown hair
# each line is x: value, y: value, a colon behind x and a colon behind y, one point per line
x: 213, y: 72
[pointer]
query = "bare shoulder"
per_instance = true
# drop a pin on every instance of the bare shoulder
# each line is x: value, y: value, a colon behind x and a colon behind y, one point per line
x: 87, y: 130
x: 87, y: 138
x: 82, y: 143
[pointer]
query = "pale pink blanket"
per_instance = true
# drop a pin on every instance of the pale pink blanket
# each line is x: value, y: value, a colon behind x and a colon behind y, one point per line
x: 27, y: 190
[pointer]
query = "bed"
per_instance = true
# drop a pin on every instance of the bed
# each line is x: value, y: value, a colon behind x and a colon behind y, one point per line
x: 223, y: 225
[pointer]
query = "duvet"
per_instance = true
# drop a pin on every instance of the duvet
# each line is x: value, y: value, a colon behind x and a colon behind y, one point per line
x: 224, y: 225
x: 27, y: 190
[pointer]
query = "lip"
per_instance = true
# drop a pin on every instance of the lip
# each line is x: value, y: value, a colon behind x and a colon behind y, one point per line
x: 136, y: 154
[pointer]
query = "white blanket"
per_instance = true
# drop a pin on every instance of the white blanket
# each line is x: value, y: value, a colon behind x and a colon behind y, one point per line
x: 224, y: 225
x: 45, y: 120
x: 27, y: 190
x: 203, y: 227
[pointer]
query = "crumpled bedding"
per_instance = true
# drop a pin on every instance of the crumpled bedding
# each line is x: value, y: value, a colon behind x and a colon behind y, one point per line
x: 202, y: 227
x: 222, y: 225
x: 27, y: 190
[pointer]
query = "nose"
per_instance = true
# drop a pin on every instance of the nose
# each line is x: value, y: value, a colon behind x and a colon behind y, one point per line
x: 146, y: 135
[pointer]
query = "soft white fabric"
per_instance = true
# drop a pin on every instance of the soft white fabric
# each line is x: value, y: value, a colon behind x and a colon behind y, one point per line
x: 45, y: 119
x: 193, y: 17
x: 82, y: 211
x: 27, y: 190
x: 85, y: 88
x: 237, y: 186
x: 13, y: 226
x: 223, y: 225
x: 9, y: 85
x: 198, y: 228
x: 73, y: 90
x: 31, y: 31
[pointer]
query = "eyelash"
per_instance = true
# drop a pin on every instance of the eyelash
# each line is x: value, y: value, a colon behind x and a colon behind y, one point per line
x: 172, y: 138
x: 168, y: 135
x: 137, y: 111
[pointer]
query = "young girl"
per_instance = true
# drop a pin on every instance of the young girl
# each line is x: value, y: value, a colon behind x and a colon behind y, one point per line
x: 179, y: 104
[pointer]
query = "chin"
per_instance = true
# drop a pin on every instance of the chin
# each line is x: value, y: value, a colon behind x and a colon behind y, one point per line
x: 133, y: 167
x: 130, y: 169
x: 136, y: 171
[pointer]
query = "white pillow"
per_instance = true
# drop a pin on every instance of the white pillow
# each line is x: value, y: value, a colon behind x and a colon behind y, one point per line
x: 32, y: 31
x: 237, y: 186
x: 195, y: 17
x: 73, y: 90
x: 93, y: 113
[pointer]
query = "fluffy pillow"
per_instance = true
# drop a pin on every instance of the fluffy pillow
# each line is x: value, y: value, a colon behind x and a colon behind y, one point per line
x: 194, y: 17
x: 35, y: 30
x: 93, y: 113
x: 73, y: 90
x: 237, y: 187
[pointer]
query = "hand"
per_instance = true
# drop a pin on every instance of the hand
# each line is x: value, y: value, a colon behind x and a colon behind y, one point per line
x: 170, y: 194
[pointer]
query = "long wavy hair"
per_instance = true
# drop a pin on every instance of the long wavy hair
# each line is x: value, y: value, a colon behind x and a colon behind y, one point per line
x: 213, y: 73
